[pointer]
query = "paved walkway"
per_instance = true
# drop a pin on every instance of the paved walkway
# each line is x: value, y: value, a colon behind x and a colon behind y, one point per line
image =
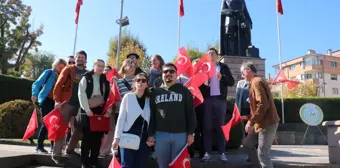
x: 284, y: 154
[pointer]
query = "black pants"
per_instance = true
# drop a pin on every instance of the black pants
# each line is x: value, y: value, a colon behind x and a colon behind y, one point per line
x: 198, y: 143
x: 46, y: 107
x: 90, y: 145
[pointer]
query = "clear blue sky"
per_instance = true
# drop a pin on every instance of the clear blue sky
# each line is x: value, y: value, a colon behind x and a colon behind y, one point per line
x: 305, y: 24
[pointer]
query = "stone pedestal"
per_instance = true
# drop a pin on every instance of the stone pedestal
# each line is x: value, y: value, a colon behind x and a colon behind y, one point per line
x: 234, y: 63
x: 333, y: 133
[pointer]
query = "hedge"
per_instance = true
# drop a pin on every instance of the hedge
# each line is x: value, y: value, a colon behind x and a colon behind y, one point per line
x: 14, y: 88
x: 14, y: 118
x: 329, y: 106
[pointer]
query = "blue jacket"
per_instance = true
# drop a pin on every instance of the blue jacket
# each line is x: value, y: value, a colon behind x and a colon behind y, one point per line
x: 46, y: 87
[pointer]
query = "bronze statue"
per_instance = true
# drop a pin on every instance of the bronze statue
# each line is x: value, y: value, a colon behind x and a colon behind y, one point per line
x: 236, y: 25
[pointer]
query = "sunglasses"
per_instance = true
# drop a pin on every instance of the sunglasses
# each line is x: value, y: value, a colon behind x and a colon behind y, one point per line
x: 141, y: 80
x: 71, y: 62
x: 171, y: 71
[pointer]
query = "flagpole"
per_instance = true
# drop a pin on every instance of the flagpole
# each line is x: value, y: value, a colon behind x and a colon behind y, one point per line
x: 75, y: 40
x: 280, y: 59
x: 120, y: 33
x: 179, y: 27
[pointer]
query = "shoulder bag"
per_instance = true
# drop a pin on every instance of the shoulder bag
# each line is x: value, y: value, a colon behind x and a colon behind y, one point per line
x: 130, y: 141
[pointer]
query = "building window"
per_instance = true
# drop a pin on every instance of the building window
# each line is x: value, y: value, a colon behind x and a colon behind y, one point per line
x: 319, y: 75
x: 335, y: 91
x: 292, y: 67
x: 317, y: 62
x: 334, y: 77
x: 332, y: 64
x: 306, y: 76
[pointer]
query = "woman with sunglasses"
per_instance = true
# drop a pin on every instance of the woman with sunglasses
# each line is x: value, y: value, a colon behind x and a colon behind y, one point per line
x: 134, y: 117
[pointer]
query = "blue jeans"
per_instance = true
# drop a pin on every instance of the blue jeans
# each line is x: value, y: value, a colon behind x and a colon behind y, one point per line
x: 46, y: 107
x: 168, y: 146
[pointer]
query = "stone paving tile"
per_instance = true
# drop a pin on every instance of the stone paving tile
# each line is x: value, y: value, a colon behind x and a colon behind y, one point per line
x: 286, y: 154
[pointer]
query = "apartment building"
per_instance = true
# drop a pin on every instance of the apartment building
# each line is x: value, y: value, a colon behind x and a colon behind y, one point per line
x: 323, y: 70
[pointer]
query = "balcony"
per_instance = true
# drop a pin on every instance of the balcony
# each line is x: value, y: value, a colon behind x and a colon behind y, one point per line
x: 313, y: 68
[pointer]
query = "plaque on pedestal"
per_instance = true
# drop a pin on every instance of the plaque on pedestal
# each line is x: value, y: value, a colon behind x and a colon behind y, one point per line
x: 234, y: 63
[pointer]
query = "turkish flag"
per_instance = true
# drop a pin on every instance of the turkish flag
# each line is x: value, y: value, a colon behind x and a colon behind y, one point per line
x: 279, y: 7
x: 204, y: 69
x: 55, y: 125
x: 234, y: 120
x: 114, y: 163
x: 182, y: 61
x: 181, y: 8
x: 182, y: 160
x: 280, y: 77
x: 193, y: 87
x: 111, y: 74
x: 79, y: 3
x: 292, y: 84
x: 114, y: 96
x: 32, y: 126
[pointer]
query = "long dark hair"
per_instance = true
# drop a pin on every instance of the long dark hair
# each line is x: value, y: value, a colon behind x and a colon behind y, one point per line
x: 146, y: 90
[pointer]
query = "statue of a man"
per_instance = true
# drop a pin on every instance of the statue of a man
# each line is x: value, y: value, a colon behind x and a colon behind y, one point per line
x: 236, y: 24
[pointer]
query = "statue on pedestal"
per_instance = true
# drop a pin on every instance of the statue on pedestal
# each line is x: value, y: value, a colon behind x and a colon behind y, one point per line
x: 236, y: 25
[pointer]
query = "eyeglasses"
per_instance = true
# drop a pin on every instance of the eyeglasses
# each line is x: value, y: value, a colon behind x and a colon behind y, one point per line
x: 71, y: 62
x: 141, y: 80
x: 171, y: 71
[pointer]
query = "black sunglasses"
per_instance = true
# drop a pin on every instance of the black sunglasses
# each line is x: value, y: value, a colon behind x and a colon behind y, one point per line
x: 171, y: 71
x: 141, y: 80
x: 71, y: 62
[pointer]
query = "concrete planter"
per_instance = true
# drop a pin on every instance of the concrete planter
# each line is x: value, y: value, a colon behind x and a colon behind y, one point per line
x: 333, y: 132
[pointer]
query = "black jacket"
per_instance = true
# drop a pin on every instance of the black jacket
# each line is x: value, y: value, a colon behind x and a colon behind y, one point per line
x: 82, y: 118
x: 226, y: 80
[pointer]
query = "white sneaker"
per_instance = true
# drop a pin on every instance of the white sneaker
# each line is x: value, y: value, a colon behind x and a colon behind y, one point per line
x: 223, y: 158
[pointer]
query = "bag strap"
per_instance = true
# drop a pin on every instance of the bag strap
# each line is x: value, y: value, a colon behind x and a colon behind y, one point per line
x: 48, y: 76
x: 126, y: 83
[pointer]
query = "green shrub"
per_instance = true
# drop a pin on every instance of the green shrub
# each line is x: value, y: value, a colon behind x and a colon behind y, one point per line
x: 14, y: 88
x: 14, y: 117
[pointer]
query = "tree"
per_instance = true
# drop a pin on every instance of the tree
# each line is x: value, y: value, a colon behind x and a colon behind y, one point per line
x: 38, y: 62
x: 129, y: 43
x: 306, y: 89
x: 16, y: 39
x: 146, y: 64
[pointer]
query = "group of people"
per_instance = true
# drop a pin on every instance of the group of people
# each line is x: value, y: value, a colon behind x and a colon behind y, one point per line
x: 156, y: 113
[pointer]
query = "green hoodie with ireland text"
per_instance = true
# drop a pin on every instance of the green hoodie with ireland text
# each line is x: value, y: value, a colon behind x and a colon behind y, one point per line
x: 172, y: 110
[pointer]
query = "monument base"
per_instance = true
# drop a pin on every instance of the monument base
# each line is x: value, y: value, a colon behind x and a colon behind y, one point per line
x: 234, y: 63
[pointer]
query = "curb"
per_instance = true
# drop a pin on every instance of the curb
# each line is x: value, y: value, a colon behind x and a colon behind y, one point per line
x: 74, y: 161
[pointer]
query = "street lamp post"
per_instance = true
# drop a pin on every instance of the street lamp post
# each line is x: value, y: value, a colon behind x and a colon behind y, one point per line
x: 121, y: 22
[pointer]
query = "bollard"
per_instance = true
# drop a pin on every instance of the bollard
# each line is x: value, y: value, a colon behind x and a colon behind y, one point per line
x: 333, y: 133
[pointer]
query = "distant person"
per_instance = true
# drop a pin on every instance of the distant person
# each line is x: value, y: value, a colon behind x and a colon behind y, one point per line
x: 66, y: 89
x: 173, y: 119
x: 135, y: 57
x: 107, y: 69
x: 42, y: 95
x: 71, y: 60
x: 264, y: 120
x: 155, y: 75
